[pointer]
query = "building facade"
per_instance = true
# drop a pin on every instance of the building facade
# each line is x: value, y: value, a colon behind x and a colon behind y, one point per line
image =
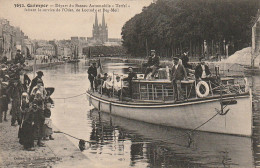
x: 11, y: 39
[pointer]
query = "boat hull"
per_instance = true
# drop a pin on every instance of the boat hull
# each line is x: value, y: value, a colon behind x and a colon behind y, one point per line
x: 199, y: 115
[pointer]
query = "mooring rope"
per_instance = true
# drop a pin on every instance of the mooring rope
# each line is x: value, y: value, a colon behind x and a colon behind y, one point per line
x: 69, y: 135
x: 70, y: 96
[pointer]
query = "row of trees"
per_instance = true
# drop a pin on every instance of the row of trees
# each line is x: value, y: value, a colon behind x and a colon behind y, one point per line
x: 176, y: 26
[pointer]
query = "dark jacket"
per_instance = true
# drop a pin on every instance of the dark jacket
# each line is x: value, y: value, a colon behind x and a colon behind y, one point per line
x: 178, y: 74
x: 92, y: 72
x: 198, y: 71
x: 150, y: 61
x: 156, y: 61
x: 34, y: 83
x: 38, y: 115
x: 18, y: 58
x: 185, y: 60
x: 29, y: 116
x: 130, y: 77
x: 47, y: 113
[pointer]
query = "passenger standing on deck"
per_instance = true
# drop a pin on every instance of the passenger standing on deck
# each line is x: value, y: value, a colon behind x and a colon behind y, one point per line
x: 178, y: 74
x: 92, y: 73
x: 131, y: 75
x: 202, y: 70
x: 34, y: 81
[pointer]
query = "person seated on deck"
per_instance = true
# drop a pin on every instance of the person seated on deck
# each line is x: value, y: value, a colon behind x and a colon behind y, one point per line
x: 118, y: 88
x: 202, y: 71
x: 98, y: 82
x: 153, y: 64
x: 107, y: 86
x: 178, y: 74
x: 131, y: 75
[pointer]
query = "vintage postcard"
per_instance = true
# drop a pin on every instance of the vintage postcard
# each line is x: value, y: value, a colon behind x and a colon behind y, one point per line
x: 129, y: 83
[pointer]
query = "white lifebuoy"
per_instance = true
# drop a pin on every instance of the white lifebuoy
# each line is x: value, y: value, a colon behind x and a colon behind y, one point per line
x: 198, y: 89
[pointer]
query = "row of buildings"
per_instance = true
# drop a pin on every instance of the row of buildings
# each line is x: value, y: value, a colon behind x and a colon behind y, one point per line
x: 12, y: 39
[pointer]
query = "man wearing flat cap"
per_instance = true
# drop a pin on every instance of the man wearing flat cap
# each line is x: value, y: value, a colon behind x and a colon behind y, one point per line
x: 178, y: 74
x: 34, y: 81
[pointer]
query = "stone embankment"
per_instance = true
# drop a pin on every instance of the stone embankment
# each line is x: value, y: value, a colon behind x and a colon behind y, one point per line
x: 57, y: 153
x: 39, y: 65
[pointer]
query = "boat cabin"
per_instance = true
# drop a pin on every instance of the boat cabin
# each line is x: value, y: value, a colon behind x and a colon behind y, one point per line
x: 161, y: 88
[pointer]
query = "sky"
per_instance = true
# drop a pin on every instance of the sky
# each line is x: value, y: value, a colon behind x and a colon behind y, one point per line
x: 62, y: 25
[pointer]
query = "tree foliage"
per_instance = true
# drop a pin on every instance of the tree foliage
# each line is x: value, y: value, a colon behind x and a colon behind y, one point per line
x: 176, y: 25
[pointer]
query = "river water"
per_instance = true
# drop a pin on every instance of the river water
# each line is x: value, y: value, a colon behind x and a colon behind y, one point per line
x: 120, y: 142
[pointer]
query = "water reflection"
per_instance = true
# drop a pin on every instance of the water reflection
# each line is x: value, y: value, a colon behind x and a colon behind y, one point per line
x: 119, y: 142
x: 163, y: 146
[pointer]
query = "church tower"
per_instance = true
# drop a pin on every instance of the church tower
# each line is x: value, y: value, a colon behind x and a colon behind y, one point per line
x: 104, y: 31
x: 100, y: 31
x: 95, y: 31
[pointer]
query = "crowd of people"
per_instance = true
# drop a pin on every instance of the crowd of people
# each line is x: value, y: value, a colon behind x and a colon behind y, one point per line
x: 181, y: 69
x: 28, y: 102
x: 111, y: 85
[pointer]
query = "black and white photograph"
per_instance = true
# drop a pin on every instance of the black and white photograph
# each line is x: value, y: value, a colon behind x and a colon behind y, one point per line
x: 130, y: 83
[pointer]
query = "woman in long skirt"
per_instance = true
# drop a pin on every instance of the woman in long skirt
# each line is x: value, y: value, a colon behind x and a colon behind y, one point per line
x: 27, y: 137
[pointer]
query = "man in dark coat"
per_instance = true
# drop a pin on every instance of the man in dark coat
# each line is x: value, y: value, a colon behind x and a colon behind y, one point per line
x: 178, y: 74
x: 92, y: 74
x: 185, y: 60
x: 18, y: 57
x: 4, y: 100
x: 131, y: 75
x: 15, y: 91
x: 152, y: 64
x: 202, y: 71
x: 34, y: 81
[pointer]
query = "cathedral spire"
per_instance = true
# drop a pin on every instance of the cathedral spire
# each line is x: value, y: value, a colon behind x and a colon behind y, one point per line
x: 103, y: 20
x: 96, y: 20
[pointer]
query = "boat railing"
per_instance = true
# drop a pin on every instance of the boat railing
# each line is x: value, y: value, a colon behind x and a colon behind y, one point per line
x: 163, y: 90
